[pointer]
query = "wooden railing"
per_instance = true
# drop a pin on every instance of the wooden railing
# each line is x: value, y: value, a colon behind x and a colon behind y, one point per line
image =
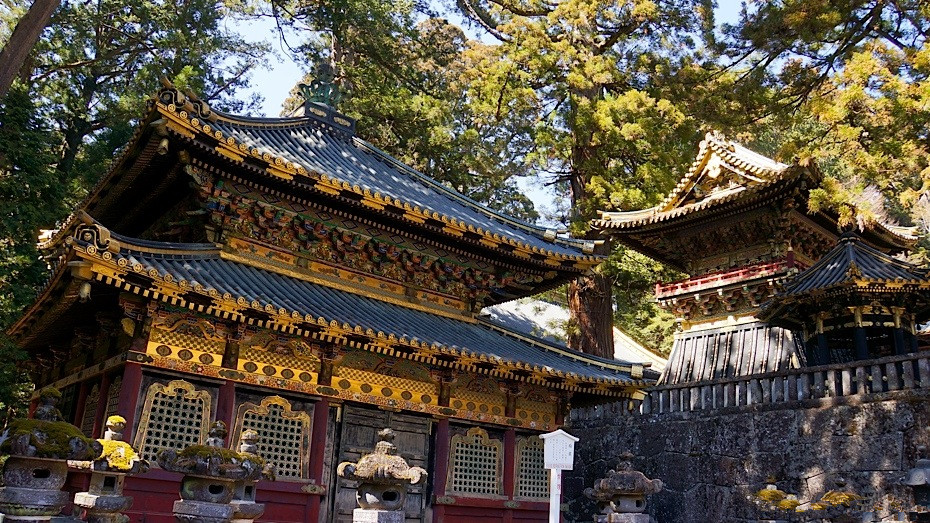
x: 908, y: 372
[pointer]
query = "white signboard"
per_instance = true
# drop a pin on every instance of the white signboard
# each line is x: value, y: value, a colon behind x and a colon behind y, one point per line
x: 559, y: 450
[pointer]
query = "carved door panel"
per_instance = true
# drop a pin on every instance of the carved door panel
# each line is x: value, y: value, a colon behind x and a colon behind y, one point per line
x: 358, y: 435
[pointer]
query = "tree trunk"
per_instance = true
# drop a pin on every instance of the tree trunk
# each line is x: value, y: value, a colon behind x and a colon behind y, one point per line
x: 22, y: 40
x: 590, y: 297
x: 590, y: 303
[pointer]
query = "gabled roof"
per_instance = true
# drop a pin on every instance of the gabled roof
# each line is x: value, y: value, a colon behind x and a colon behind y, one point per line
x: 852, y: 263
x: 730, y: 172
x: 726, y: 176
x: 201, y: 277
x: 716, y: 154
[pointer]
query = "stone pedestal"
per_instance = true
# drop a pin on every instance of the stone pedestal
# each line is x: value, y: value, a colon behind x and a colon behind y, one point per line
x: 246, y: 511
x: 212, y: 477
x: 383, y: 478
x: 32, y: 491
x: 364, y: 515
x: 621, y: 496
x: 622, y: 518
x: 37, y: 467
x: 101, y: 508
x: 202, y: 511
x: 104, y: 501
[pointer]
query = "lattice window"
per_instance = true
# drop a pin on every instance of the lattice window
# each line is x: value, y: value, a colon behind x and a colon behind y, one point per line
x: 532, y: 476
x: 90, y: 411
x: 113, y: 397
x: 282, y: 433
x: 175, y: 416
x: 476, y: 463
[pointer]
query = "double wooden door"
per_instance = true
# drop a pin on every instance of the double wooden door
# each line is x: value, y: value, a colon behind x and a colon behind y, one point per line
x: 358, y: 433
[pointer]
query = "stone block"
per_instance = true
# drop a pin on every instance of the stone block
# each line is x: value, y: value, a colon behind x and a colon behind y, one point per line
x: 202, y: 511
x: 622, y: 518
x: 361, y: 515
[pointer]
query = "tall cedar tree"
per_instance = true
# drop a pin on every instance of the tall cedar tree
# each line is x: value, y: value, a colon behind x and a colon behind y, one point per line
x: 89, y: 75
x: 590, y: 84
x: 853, y: 91
x: 31, y: 196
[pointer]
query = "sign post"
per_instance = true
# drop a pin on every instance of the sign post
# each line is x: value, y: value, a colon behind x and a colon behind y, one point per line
x: 559, y: 455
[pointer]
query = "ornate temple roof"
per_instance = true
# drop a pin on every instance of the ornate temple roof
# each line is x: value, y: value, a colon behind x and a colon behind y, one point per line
x: 321, y: 154
x: 202, y: 277
x: 851, y: 267
x: 726, y: 176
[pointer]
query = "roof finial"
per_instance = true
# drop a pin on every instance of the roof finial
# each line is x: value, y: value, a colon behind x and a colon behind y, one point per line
x: 323, y: 88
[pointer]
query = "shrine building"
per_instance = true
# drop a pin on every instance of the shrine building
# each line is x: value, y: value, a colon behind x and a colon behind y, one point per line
x: 283, y: 275
x: 739, y: 227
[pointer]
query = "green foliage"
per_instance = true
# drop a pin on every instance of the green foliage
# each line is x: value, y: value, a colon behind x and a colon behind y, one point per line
x: 406, y: 82
x: 31, y: 196
x: 852, y: 90
x: 89, y: 76
x: 633, y: 278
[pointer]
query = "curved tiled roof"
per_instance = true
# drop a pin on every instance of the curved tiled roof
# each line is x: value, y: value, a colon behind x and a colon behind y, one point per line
x: 321, y: 148
x: 851, y: 262
x: 201, y: 267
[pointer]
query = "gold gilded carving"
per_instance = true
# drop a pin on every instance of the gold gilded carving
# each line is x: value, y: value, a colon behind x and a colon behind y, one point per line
x: 305, y: 234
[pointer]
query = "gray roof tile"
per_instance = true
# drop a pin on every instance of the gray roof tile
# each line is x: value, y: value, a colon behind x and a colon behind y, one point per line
x: 324, y: 150
x: 208, y: 269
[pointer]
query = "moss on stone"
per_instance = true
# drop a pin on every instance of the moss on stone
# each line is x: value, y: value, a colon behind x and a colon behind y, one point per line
x: 50, y: 392
x: 57, y: 441
x: 225, y: 455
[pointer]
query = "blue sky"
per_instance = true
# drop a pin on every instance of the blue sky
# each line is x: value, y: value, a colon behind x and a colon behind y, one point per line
x: 275, y: 80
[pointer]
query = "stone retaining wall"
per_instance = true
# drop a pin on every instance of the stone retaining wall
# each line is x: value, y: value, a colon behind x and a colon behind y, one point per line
x: 711, y: 460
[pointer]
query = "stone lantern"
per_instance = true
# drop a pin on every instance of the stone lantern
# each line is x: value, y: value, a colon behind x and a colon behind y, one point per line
x: 383, y: 478
x: 104, y: 501
x: 37, y: 466
x: 918, y: 478
x: 621, y: 496
x: 210, y: 476
x: 246, y: 509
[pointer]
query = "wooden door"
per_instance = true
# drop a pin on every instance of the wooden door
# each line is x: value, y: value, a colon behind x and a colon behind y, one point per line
x: 358, y: 434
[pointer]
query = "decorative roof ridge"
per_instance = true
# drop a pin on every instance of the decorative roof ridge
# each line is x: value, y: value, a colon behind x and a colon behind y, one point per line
x: 285, y: 319
x: 849, y: 253
x: 609, y: 218
x: 202, y: 109
x: 545, y: 233
x: 734, y: 153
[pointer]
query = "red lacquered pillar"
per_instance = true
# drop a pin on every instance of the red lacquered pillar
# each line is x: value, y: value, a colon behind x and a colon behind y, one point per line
x: 510, y: 456
x: 226, y: 406
x: 102, y: 401
x: 129, y: 396
x: 81, y: 405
